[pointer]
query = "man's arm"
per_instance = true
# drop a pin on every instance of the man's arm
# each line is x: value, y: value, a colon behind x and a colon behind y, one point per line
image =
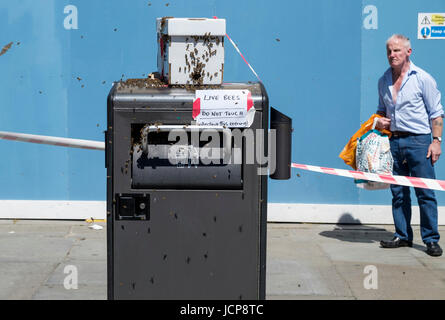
x: 382, y: 123
x: 437, y: 127
x: 434, y: 149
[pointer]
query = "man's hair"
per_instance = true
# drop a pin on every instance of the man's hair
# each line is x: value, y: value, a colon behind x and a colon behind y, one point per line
x: 400, y: 37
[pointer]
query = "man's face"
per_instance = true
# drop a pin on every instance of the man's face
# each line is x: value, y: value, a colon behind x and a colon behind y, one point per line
x: 397, y: 53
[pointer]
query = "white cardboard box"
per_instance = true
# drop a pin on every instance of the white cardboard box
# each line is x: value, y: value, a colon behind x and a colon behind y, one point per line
x: 191, y: 50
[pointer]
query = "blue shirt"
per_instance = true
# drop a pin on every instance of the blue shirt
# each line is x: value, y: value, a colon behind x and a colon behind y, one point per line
x: 418, y: 101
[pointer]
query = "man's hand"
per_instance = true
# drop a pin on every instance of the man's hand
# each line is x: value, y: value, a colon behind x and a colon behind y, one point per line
x: 383, y: 123
x: 434, y: 151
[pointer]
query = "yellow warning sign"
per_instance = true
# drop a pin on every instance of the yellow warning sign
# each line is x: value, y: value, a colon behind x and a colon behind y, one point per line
x: 438, y: 19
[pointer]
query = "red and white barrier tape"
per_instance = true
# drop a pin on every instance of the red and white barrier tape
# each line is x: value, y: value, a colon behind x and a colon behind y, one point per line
x: 242, y: 56
x: 97, y: 145
x: 55, y: 141
x: 391, y: 179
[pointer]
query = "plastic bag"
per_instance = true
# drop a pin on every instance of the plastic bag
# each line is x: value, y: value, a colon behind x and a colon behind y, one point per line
x: 348, y: 153
x: 373, y: 155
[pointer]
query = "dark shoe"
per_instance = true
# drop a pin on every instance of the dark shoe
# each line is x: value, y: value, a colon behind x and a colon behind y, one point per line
x: 433, y: 249
x: 396, y: 242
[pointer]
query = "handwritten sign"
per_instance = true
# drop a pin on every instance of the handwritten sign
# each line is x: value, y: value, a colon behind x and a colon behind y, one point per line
x: 229, y: 108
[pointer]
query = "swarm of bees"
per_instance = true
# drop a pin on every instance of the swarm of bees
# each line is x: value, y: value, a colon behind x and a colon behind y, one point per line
x: 150, y: 82
x: 198, y: 52
x: 195, y: 62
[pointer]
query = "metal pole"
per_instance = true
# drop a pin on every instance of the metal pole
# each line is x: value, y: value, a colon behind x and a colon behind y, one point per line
x: 55, y: 141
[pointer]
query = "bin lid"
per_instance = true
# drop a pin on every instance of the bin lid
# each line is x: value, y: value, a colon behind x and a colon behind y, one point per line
x: 191, y: 26
x: 177, y: 97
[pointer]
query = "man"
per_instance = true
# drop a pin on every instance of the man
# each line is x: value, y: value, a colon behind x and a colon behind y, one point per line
x: 409, y: 102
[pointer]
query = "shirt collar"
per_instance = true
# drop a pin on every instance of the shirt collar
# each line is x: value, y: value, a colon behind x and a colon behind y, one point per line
x: 412, y: 70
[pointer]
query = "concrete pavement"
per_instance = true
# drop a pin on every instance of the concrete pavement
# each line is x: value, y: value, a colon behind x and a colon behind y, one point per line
x: 317, y: 261
x: 304, y: 261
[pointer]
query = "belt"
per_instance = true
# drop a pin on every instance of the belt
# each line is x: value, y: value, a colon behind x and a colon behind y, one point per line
x: 398, y: 134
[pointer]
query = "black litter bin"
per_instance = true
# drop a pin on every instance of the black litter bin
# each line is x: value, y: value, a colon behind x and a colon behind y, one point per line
x: 184, y: 230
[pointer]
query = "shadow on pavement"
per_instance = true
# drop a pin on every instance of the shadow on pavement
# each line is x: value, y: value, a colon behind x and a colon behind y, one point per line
x: 352, y: 230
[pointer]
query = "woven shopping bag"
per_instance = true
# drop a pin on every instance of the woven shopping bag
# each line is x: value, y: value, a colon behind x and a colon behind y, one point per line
x: 373, y: 155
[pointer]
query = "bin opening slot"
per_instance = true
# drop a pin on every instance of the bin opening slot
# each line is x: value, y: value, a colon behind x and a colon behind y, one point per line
x: 185, y: 158
x: 183, y: 145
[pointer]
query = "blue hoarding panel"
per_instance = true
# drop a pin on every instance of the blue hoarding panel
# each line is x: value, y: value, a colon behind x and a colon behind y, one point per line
x: 319, y: 60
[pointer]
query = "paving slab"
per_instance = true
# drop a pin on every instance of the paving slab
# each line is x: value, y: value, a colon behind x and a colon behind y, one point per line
x: 322, y: 261
x: 304, y: 261
x: 20, y: 280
